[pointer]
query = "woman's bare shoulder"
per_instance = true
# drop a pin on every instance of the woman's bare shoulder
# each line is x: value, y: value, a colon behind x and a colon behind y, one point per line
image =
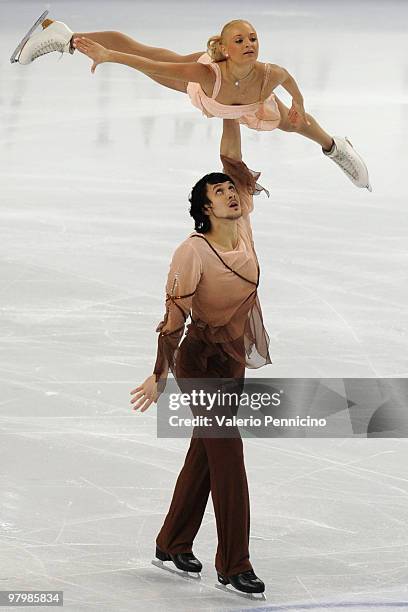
x: 276, y: 76
x: 208, y: 80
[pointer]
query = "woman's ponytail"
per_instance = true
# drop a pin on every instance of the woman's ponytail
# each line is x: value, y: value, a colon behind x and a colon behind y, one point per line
x: 214, y: 49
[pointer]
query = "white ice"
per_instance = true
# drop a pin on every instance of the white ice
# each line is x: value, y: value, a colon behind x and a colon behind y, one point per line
x: 94, y: 177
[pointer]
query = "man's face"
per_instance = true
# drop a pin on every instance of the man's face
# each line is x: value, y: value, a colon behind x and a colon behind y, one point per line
x: 225, y: 202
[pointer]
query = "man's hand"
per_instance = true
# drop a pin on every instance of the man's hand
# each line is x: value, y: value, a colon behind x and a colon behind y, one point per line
x: 94, y: 50
x: 145, y: 394
x: 297, y: 112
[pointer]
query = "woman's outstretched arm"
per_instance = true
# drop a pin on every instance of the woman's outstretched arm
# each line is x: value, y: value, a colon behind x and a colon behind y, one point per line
x: 117, y: 41
x: 280, y: 76
x: 191, y: 71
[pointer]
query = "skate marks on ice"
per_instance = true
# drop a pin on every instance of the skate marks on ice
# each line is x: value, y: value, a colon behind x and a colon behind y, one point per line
x: 253, y: 596
x: 354, y: 606
x: 195, y: 576
x: 16, y: 52
x: 84, y: 309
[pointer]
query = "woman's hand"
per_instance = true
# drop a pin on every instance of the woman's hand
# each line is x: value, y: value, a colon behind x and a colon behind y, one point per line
x: 94, y: 50
x: 297, y: 112
x: 145, y: 394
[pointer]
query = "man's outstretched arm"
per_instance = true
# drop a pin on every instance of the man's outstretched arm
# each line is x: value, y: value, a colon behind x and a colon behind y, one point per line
x: 231, y: 139
x: 234, y: 167
x: 231, y: 157
x: 183, y: 278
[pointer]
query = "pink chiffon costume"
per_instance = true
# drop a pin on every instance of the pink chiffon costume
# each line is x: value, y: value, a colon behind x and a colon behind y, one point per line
x: 225, y: 322
x: 263, y: 115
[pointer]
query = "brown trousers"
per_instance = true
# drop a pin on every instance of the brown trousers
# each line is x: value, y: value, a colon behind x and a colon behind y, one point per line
x: 211, y: 464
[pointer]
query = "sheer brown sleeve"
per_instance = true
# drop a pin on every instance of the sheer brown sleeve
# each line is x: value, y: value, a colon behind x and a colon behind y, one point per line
x: 183, y: 278
x: 245, y: 181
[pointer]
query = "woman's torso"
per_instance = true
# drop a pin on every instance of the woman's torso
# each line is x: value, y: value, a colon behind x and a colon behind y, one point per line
x: 250, y: 91
x: 254, y: 106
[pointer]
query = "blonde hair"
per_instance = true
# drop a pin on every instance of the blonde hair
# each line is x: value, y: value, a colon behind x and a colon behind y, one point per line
x: 214, y: 43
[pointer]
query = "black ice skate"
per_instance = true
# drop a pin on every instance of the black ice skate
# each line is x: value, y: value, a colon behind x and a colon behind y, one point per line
x: 246, y: 584
x: 188, y: 566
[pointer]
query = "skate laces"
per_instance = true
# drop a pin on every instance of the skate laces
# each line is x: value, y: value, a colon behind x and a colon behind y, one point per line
x: 346, y: 162
x: 47, y: 46
x: 250, y: 574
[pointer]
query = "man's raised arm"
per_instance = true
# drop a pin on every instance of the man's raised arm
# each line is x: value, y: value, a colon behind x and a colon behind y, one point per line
x: 231, y: 139
x: 234, y: 167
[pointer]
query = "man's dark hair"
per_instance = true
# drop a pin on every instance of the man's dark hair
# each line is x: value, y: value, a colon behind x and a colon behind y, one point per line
x: 198, y: 199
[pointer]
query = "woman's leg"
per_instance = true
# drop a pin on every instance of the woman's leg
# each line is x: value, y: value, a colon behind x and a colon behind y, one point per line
x: 125, y: 44
x: 312, y: 131
x: 339, y: 150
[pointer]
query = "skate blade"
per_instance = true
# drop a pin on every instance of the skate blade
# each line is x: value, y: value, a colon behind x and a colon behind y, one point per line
x: 253, y: 596
x: 186, y: 575
x: 14, y: 57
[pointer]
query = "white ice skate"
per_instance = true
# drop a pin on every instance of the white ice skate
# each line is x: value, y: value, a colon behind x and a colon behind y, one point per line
x: 55, y: 36
x: 346, y: 157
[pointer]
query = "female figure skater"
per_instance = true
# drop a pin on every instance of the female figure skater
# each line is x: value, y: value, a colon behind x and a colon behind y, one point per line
x: 227, y: 81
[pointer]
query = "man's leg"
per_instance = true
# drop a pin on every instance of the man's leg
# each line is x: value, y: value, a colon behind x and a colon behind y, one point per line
x: 211, y: 463
x: 229, y: 491
x: 216, y: 464
x: 188, y: 504
x: 192, y: 488
x: 229, y: 485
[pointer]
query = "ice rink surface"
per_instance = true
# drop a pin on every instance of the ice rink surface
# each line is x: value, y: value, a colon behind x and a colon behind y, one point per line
x: 94, y: 177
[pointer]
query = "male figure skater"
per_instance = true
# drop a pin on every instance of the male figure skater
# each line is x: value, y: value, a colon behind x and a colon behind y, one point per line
x: 213, y: 277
